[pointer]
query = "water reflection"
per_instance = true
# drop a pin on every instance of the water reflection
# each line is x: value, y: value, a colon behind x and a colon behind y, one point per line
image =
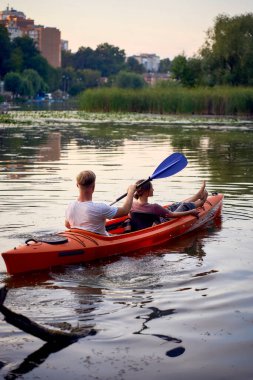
x: 51, y: 150
x: 152, y: 294
x: 218, y: 154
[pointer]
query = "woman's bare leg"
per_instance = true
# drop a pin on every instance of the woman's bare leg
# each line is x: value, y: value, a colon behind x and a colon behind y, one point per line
x: 201, y: 201
x: 200, y: 194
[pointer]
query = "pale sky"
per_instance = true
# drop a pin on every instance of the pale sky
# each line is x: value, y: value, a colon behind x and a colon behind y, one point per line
x: 163, y: 27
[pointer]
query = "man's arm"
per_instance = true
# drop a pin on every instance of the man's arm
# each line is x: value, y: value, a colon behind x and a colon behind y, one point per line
x: 67, y: 225
x: 124, y: 210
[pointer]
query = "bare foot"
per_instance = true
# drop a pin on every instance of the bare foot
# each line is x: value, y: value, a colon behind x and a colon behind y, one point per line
x: 204, y: 196
x: 202, y: 190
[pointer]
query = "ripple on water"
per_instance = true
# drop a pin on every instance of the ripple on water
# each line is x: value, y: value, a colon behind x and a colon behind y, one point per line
x: 189, y: 301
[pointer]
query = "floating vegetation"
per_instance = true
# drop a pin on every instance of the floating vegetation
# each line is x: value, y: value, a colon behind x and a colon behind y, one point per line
x: 77, y: 118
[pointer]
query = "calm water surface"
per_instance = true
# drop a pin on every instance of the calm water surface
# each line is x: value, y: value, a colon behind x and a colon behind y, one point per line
x: 185, y: 310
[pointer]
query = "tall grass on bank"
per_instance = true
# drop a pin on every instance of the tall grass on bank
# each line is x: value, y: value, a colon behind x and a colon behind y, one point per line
x: 174, y: 100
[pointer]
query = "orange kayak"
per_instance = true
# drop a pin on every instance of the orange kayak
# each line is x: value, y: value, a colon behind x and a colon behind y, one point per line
x: 77, y: 246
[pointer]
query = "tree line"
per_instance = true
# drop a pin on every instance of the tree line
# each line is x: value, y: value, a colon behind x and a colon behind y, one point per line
x: 224, y: 59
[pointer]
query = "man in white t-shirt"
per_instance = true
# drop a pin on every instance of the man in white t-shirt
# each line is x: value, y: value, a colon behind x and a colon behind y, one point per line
x: 91, y: 216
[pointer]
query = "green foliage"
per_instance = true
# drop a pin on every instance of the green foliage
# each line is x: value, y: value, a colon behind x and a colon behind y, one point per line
x: 66, y: 58
x: 26, y: 88
x: 134, y: 66
x: 165, y: 65
x: 110, y: 59
x: 228, y: 51
x: 5, y: 50
x: 37, y: 83
x: 21, y: 54
x: 48, y: 73
x: 225, y: 59
x: 84, y: 58
x: 179, y: 67
x: 174, y: 100
x: 106, y: 58
x: 12, y: 82
x: 129, y: 80
x: 187, y: 71
x: 27, y: 84
x: 75, y: 81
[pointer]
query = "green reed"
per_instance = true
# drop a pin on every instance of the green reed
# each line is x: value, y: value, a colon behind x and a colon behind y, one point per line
x: 170, y: 100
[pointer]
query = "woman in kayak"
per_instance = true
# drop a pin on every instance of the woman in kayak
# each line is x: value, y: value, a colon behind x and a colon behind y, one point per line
x: 91, y: 216
x: 153, y: 212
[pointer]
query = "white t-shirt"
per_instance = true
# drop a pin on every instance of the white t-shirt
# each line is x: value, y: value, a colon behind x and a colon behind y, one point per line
x: 89, y: 215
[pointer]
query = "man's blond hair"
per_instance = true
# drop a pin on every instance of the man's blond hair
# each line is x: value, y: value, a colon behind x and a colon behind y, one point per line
x: 86, y: 178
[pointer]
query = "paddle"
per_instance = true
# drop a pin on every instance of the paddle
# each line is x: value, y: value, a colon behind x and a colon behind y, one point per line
x: 171, y: 165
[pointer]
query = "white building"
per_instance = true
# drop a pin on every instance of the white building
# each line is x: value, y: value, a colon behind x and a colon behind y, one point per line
x: 151, y: 62
x: 7, y: 13
x: 64, y: 45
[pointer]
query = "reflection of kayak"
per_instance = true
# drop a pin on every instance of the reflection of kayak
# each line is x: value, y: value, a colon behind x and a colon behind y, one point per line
x: 77, y: 246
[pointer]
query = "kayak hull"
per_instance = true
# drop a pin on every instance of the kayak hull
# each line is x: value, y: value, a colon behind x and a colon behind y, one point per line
x: 80, y: 246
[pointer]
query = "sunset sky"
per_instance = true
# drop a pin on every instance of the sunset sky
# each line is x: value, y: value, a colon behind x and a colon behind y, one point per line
x: 164, y: 27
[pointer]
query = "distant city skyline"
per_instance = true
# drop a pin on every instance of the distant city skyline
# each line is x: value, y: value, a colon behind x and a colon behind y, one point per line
x: 163, y: 27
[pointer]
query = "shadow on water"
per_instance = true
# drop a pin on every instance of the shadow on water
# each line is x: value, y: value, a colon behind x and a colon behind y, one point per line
x: 34, y: 360
x: 157, y: 313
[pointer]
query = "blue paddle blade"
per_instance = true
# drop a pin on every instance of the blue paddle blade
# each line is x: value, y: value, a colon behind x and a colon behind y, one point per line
x: 171, y: 165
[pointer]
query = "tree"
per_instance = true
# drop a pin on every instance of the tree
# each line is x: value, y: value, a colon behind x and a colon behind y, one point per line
x: 48, y: 73
x: 12, y: 82
x: 26, y: 88
x: 106, y: 58
x: 90, y: 78
x: 194, y: 72
x: 129, y: 80
x: 133, y: 65
x: 27, y: 84
x: 16, y: 62
x: 75, y: 81
x: 84, y: 59
x: 187, y: 71
x: 109, y: 59
x: 37, y: 84
x: 228, y: 50
x: 165, y: 65
x: 24, y: 47
x: 5, y: 50
x: 67, y: 58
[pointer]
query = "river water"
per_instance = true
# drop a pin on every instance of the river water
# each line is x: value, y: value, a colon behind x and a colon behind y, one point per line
x: 185, y: 310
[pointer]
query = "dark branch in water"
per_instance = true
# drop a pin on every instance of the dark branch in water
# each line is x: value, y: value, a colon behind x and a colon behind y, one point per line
x: 33, y: 328
x: 56, y: 340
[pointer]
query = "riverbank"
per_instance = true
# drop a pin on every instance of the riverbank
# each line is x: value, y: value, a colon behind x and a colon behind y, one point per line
x: 220, y: 100
x: 46, y: 118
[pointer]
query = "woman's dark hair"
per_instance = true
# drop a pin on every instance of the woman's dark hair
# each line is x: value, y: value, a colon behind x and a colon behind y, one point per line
x: 145, y: 187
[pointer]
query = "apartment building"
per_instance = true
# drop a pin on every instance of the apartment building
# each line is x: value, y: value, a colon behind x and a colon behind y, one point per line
x: 149, y: 61
x: 49, y: 45
x: 46, y: 39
